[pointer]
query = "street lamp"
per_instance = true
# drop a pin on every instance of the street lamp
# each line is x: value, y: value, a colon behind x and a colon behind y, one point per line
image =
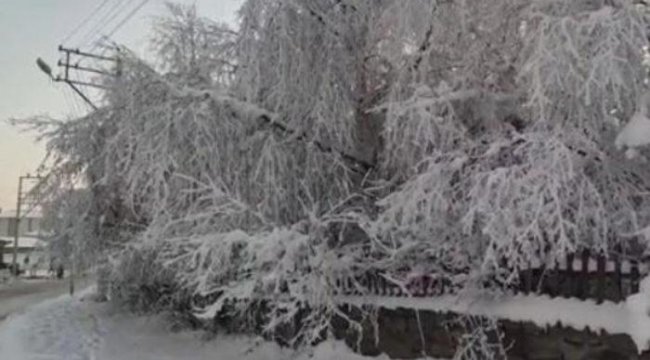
x: 44, y: 67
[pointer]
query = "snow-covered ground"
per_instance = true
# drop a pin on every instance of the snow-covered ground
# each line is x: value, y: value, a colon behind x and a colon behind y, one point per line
x: 67, y: 328
x: 17, y: 295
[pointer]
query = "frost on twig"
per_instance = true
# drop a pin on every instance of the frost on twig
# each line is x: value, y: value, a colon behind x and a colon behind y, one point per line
x: 481, y: 339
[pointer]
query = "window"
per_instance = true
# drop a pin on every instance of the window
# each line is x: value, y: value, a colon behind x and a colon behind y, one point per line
x: 4, y: 227
x: 12, y: 226
x: 30, y: 225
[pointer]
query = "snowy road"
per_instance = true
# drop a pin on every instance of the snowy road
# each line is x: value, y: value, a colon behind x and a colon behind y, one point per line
x: 68, y: 328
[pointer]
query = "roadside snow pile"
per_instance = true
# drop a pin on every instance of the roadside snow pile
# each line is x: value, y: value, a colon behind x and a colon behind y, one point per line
x: 638, y: 307
x: 77, y: 329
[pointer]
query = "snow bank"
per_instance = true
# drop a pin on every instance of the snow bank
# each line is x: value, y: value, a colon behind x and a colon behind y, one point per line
x: 638, y: 307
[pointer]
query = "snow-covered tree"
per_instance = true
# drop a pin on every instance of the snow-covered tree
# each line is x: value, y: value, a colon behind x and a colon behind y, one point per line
x: 323, y: 139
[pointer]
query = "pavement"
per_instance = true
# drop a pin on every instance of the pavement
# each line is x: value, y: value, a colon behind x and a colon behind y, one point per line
x: 78, y: 328
x: 17, y: 296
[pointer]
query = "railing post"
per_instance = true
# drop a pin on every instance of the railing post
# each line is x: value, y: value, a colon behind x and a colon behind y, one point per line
x: 569, y: 289
x: 635, y: 277
x: 618, y: 279
x: 583, y: 281
x: 601, y: 277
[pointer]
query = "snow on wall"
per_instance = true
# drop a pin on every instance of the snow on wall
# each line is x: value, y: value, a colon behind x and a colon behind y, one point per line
x: 631, y: 317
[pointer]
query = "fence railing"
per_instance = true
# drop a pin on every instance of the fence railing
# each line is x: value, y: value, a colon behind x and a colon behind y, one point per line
x: 583, y: 276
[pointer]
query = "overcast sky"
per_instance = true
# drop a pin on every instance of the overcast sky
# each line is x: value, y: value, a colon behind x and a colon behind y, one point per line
x: 34, y: 28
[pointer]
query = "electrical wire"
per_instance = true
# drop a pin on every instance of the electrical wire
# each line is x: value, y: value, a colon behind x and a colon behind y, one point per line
x: 78, y: 107
x: 82, y: 77
x: 85, y: 21
x: 73, y: 108
x: 109, y: 16
x: 93, y: 93
x: 67, y: 100
x: 119, y: 7
x: 127, y: 18
x: 91, y: 28
x: 120, y: 24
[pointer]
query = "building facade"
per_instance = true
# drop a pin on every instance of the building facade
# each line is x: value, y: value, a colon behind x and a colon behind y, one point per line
x: 29, y: 225
x: 30, y: 243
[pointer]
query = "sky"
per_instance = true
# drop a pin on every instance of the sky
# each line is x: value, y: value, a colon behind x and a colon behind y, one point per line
x: 34, y: 28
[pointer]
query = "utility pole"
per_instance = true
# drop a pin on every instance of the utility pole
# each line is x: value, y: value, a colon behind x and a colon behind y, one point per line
x: 14, y: 268
x: 23, y: 198
x: 68, y: 65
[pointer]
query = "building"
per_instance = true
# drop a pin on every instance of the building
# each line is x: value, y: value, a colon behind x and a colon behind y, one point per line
x: 29, y: 224
x: 31, y: 247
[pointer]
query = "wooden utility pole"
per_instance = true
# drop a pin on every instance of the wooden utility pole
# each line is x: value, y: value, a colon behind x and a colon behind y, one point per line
x: 22, y: 199
x: 14, y: 268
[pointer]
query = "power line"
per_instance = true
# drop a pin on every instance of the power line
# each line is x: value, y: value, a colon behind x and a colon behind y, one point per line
x: 98, y: 21
x: 85, y: 21
x: 128, y: 17
x: 76, y: 108
x: 121, y: 23
x: 119, y: 7
x: 108, y: 17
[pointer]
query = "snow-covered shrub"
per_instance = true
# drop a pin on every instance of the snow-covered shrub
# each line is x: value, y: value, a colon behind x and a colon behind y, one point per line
x: 140, y: 283
x: 482, y: 339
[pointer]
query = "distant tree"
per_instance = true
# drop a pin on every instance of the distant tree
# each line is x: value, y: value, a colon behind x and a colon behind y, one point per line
x: 193, y: 48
